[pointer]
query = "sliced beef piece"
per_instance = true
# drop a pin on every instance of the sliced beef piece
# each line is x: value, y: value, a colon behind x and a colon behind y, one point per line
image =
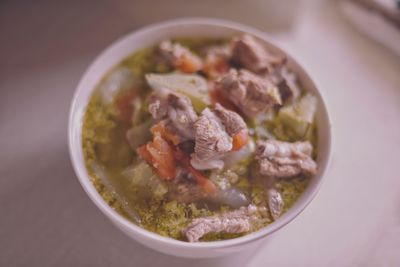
x: 211, y: 141
x: 282, y: 159
x: 250, y: 93
x: 232, y: 121
x: 180, y: 57
x: 275, y: 203
x: 237, y: 221
x: 252, y: 55
x: 178, y: 112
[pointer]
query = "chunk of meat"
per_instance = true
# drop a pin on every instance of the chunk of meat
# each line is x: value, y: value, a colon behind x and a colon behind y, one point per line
x: 180, y: 57
x: 211, y: 141
x: 252, y: 94
x: 177, y: 111
x: 237, y: 221
x: 275, y: 203
x: 282, y: 159
x: 232, y: 121
x: 249, y: 53
x: 182, y: 114
x: 234, y: 125
x: 218, y: 97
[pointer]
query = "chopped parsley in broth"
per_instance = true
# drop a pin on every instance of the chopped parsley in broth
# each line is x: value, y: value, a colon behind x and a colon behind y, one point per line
x: 201, y: 139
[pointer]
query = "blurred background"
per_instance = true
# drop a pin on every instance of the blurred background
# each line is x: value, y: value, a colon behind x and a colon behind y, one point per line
x: 45, y: 46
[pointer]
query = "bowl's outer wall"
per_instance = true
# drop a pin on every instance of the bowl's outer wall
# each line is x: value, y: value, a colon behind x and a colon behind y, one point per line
x: 150, y: 36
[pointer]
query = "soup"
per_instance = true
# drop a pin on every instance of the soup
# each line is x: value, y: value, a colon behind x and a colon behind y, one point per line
x: 201, y: 139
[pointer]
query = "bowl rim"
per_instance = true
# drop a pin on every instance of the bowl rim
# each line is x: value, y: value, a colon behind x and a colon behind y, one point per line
x: 84, y: 178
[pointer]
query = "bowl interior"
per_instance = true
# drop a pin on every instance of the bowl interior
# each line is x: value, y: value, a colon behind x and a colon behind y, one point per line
x: 150, y: 36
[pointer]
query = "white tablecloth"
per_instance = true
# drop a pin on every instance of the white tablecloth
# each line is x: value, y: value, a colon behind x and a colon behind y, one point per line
x: 47, y: 220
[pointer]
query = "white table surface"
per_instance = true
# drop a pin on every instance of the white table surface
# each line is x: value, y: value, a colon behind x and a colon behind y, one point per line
x: 47, y: 220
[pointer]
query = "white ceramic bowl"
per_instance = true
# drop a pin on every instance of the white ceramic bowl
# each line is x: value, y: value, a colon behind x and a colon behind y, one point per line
x: 148, y: 36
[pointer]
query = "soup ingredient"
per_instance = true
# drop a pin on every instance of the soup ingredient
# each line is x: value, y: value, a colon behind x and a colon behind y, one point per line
x: 232, y: 197
x: 169, y: 136
x: 160, y: 155
x: 138, y: 135
x: 297, y: 119
x: 191, y: 85
x: 165, y: 156
x: 218, y: 97
x: 250, y: 93
x: 275, y: 203
x: 283, y: 159
x: 119, y: 80
x: 144, y: 181
x: 180, y: 57
x: 215, y: 132
x: 237, y: 221
x: 212, y: 142
x: 228, y: 194
x: 239, y: 140
x: 234, y: 124
x: 177, y: 111
x: 252, y: 55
